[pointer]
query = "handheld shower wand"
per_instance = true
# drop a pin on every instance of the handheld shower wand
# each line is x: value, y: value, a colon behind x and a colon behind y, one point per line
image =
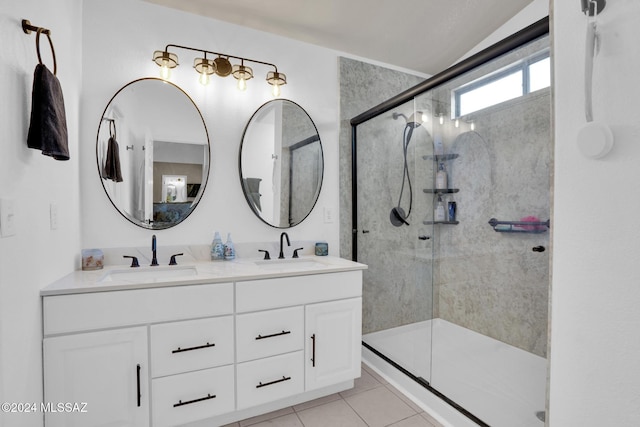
x: 398, y: 216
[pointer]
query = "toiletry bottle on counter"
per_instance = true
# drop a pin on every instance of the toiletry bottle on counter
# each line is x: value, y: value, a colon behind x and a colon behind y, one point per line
x: 439, y: 212
x: 229, y: 249
x: 441, y: 178
x: 217, y: 248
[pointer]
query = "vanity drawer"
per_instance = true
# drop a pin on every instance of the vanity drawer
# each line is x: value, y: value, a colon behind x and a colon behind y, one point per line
x: 269, y: 333
x: 96, y: 310
x: 273, y: 378
x: 180, y: 399
x: 254, y: 295
x: 191, y: 345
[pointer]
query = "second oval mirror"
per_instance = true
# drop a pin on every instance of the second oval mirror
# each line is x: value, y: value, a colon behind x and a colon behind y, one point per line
x: 281, y: 163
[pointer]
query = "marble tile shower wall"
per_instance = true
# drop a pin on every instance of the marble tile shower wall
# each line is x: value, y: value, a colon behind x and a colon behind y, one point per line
x: 391, y: 295
x: 490, y: 282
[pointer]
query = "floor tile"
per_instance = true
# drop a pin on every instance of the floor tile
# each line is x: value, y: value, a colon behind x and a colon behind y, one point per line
x: 316, y: 402
x: 365, y: 382
x: 266, y: 417
x: 415, y: 421
x: 374, y: 374
x: 379, y: 407
x: 290, y: 420
x: 333, y: 414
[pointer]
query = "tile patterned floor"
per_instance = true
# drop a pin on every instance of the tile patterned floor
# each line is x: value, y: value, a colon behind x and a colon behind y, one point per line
x: 372, y: 402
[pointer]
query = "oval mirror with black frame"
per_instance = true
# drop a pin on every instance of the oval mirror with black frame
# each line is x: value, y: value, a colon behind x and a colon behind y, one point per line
x: 281, y: 163
x: 152, y: 152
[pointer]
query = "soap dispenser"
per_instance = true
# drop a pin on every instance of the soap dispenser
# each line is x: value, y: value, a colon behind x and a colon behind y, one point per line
x: 229, y: 250
x: 217, y: 248
x: 441, y: 178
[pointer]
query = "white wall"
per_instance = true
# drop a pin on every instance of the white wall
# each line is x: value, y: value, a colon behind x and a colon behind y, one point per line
x: 36, y: 255
x: 595, y: 315
x: 535, y: 11
x: 118, y: 42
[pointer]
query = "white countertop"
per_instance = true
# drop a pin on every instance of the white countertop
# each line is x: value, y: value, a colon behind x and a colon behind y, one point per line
x: 119, y: 277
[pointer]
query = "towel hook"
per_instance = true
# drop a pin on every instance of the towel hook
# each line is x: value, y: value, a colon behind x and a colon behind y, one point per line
x: 28, y: 28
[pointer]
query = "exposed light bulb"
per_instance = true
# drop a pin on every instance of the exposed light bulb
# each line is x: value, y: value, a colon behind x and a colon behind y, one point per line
x: 424, y: 117
x: 165, y: 71
x: 473, y: 126
x: 441, y: 119
x: 204, y: 78
x: 242, y: 84
x: 457, y: 123
x: 276, y: 90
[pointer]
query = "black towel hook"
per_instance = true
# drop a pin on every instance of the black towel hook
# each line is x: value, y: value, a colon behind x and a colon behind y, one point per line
x: 28, y: 28
x: 112, y: 129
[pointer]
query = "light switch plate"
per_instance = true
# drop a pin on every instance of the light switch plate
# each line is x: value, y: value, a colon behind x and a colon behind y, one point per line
x: 328, y: 215
x: 7, y: 218
x: 53, y: 215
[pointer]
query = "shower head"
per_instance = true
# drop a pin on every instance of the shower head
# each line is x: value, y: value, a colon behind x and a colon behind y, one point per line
x: 414, y: 121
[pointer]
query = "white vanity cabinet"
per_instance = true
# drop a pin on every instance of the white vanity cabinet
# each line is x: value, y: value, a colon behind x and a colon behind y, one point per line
x: 95, y: 351
x: 334, y: 332
x: 105, y: 372
x: 200, y: 354
x: 301, y: 333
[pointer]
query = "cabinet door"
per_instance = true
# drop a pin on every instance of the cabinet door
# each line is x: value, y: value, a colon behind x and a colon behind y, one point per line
x: 106, y: 370
x: 333, y: 346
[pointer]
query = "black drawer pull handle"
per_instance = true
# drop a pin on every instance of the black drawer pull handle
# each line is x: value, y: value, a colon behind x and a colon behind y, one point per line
x: 261, y: 337
x: 138, y: 384
x: 189, y: 402
x: 180, y: 350
x: 313, y: 350
x: 274, y: 382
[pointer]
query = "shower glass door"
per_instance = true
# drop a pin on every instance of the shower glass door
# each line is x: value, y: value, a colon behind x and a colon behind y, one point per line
x: 395, y: 235
x: 491, y: 267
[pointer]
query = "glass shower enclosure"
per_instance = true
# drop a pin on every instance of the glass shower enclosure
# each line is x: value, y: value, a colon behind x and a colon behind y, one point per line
x: 451, y: 206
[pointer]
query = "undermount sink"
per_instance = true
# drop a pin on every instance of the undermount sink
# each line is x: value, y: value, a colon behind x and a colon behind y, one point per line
x: 293, y: 264
x: 148, y: 274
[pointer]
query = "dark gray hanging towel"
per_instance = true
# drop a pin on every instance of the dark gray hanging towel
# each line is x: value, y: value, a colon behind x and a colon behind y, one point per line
x: 48, y: 127
x: 111, y: 169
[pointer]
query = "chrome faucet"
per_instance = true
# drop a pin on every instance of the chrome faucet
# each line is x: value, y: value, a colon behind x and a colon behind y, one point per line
x: 284, y: 234
x: 154, y: 260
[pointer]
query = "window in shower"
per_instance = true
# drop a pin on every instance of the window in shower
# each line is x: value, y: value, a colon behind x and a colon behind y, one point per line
x: 529, y: 75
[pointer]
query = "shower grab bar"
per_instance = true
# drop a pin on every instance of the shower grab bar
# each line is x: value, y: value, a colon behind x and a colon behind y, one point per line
x: 520, y: 226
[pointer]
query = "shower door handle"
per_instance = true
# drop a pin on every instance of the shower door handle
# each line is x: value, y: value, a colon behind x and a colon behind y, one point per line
x: 424, y: 237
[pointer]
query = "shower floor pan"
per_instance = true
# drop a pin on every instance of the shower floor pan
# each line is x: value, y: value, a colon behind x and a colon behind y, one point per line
x: 502, y: 385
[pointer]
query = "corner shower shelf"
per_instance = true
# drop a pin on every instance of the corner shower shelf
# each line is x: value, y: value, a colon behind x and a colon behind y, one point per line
x: 440, y: 222
x: 441, y: 190
x: 532, y: 227
x: 441, y: 157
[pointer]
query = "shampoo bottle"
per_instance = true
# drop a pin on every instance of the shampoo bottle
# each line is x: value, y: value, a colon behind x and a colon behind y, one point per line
x: 217, y: 248
x: 441, y: 178
x: 439, y: 212
x: 229, y: 250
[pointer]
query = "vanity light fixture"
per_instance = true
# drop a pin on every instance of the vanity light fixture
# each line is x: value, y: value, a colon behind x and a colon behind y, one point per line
x: 242, y: 74
x: 166, y: 61
x: 221, y: 66
x: 276, y: 79
x: 205, y: 67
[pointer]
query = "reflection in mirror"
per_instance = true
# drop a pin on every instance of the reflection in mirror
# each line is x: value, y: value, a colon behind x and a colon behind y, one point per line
x: 281, y: 163
x: 152, y: 152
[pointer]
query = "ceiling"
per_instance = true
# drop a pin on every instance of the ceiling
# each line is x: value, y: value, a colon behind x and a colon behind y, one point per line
x: 426, y: 36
